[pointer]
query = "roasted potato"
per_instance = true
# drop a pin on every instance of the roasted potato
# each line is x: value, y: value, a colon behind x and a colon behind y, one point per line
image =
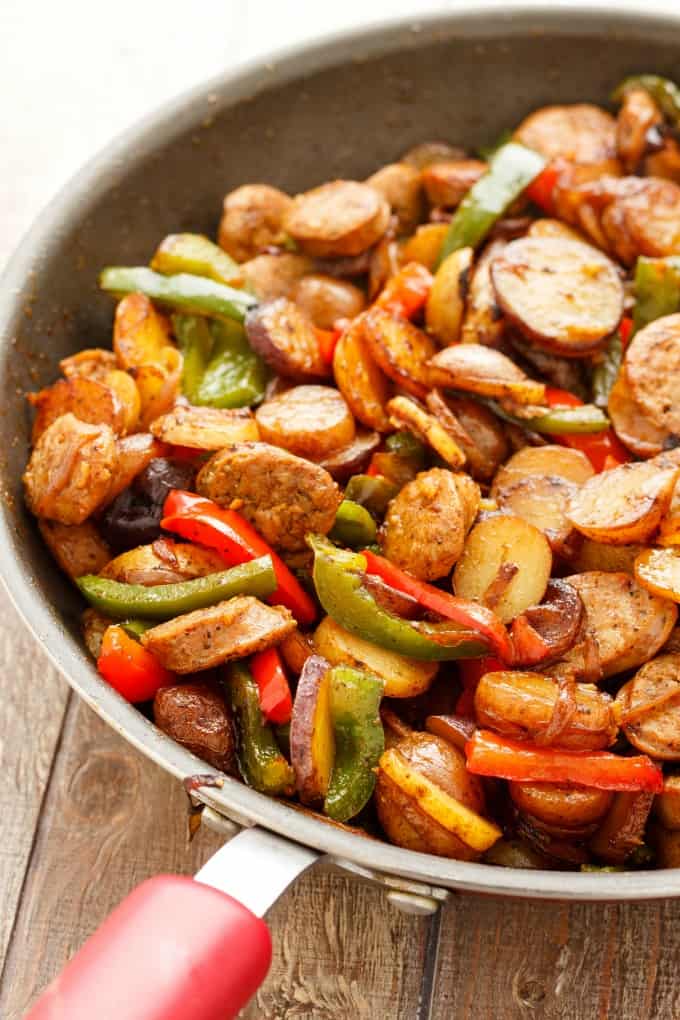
x: 141, y: 335
x: 89, y: 400
x: 667, y: 804
x: 402, y: 188
x: 197, y: 717
x: 206, y: 428
x: 447, y: 182
x: 623, y: 827
x: 652, y: 367
x: 475, y: 368
x: 163, y: 562
x: 425, y: 245
x: 158, y: 385
x: 474, y: 428
x: 624, y: 505
x: 562, y: 808
x: 272, y: 276
x: 446, y: 301
x: 284, y: 337
x: 409, y: 415
x: 580, y: 133
x: 362, y: 383
x: 350, y: 460
x: 649, y: 708
x: 483, y: 321
x: 631, y: 424
x: 312, y: 737
x: 400, y: 349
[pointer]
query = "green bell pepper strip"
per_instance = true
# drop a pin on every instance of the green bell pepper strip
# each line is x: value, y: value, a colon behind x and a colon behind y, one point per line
x: 196, y: 254
x: 371, y: 491
x: 182, y: 292
x: 605, y: 372
x: 196, y: 343
x: 163, y: 601
x: 487, y: 152
x: 353, y: 525
x: 657, y: 289
x: 559, y: 421
x: 338, y: 580
x: 260, y: 761
x: 359, y: 740
x: 663, y: 91
x: 512, y: 168
x: 405, y: 444
x: 135, y: 628
x: 235, y: 376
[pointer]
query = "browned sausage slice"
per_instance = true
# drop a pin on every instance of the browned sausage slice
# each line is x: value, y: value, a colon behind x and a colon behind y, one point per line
x: 400, y: 349
x: 78, y: 548
x: 652, y: 366
x: 252, y: 218
x: 197, y: 717
x: 650, y: 708
x: 401, y: 185
x: 425, y: 153
x: 208, y: 637
x: 447, y: 183
x: 282, y: 495
x: 284, y: 336
x: 337, y: 218
x: 206, y: 428
x: 310, y: 421
x: 88, y: 399
x: 362, y: 383
x: 425, y: 527
x: 70, y: 470
x: 561, y: 293
x: 631, y: 424
x: 623, y: 505
x: 272, y: 276
x: 325, y: 299
x: 351, y: 459
x: 637, y: 115
x: 652, y: 217
x: 581, y: 133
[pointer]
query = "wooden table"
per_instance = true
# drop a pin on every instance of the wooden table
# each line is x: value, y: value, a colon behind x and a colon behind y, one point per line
x: 84, y: 817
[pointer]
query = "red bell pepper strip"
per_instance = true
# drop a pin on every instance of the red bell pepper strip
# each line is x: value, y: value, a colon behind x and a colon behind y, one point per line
x: 328, y: 339
x: 406, y: 292
x: 236, y: 540
x: 541, y: 189
x: 625, y: 330
x: 130, y: 668
x: 467, y: 614
x: 601, y: 448
x: 471, y: 672
x: 272, y: 685
x: 490, y: 755
x: 530, y: 647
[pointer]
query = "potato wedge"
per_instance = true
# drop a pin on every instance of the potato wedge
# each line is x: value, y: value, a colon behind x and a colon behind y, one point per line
x: 400, y: 349
x: 425, y: 245
x: 407, y: 414
x: 162, y: 562
x: 311, y: 421
x: 141, y: 335
x: 158, y: 385
x: 284, y: 337
x: 90, y: 401
x: 483, y: 370
x: 404, y: 678
x: 474, y: 428
x: 508, y: 550
x: 362, y: 383
x: 312, y: 737
x: 325, y: 299
x: 658, y: 570
x: 631, y: 424
x: 649, y: 708
x: 483, y: 321
x: 628, y: 623
x: 206, y: 428
x: 446, y: 301
x: 624, y: 505
x: 338, y: 218
x: 78, y: 548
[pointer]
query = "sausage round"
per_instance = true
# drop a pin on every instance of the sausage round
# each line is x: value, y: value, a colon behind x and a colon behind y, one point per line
x: 652, y: 366
x: 581, y: 133
x: 284, y: 337
x: 311, y: 421
x: 282, y: 495
x: 337, y: 218
x: 655, y: 731
x: 447, y: 183
x: 401, y: 186
x: 252, y: 218
x: 325, y: 299
x: 631, y: 424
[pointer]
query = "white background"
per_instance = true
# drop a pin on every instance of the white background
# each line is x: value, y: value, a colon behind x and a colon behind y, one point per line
x: 73, y: 73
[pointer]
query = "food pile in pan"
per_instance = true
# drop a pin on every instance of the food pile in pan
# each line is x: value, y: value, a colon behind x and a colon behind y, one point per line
x: 375, y: 503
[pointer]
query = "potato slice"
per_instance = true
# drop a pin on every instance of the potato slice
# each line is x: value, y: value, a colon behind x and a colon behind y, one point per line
x: 649, y: 708
x: 94, y: 625
x: 400, y: 349
x: 590, y: 555
x: 554, y: 228
x: 404, y: 678
x: 475, y: 368
x: 561, y: 806
x: 652, y: 367
x: 158, y: 385
x: 570, y: 311
x: 447, y: 182
x: 658, y: 570
x: 312, y: 737
x: 284, y: 337
x: 141, y: 335
x: 337, y: 218
x: 473, y: 830
x: 425, y: 245
x: 362, y: 383
x: 407, y: 414
x: 206, y: 428
x: 90, y: 401
x: 352, y: 459
x: 631, y: 424
x: 572, y: 465
x: 491, y: 548
x: 446, y: 301
x: 92, y: 362
x: 311, y: 421
x: 483, y: 322
x: 78, y: 548
x: 162, y: 562
x: 623, y: 505
x: 628, y: 623
x: 669, y: 529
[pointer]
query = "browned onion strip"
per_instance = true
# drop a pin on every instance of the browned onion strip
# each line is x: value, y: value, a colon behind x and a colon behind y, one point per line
x: 500, y: 584
x: 563, y: 711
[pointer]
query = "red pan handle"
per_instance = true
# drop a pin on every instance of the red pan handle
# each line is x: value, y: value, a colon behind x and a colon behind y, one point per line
x: 174, y: 949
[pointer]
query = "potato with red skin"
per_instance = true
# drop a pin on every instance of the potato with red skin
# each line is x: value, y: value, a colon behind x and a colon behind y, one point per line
x: 133, y: 454
x: 404, y: 822
x: 310, y: 421
x: 197, y: 717
x: 312, y: 736
x: 325, y: 299
x: 252, y: 219
x: 623, y: 827
x: 284, y: 337
x: 624, y: 505
x: 206, y: 428
x: 162, y: 562
x: 337, y: 218
x: 560, y: 806
x: 476, y: 368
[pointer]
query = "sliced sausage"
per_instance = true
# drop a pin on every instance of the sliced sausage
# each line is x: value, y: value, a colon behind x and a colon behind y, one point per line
x: 252, y: 219
x: 273, y: 276
x: 352, y: 459
x: 163, y: 562
x: 623, y: 505
x: 652, y: 367
x: 652, y: 217
x: 284, y: 337
x: 559, y: 805
x: 521, y: 705
x: 206, y: 428
x: 425, y: 526
x: 325, y: 299
x: 553, y: 228
x: 337, y: 218
x: 400, y: 349
x: 425, y: 153
x: 638, y: 113
x: 475, y: 368
x: 581, y: 133
x: 93, y: 362
x: 402, y: 187
x: 483, y: 322
x: 282, y: 495
x: 311, y: 421
x: 475, y: 429
x: 87, y: 399
x: 78, y: 548
x: 589, y: 555
x: 628, y: 623
x: 448, y: 182
x: 649, y: 706
x: 70, y: 470
x: 198, y: 718
x: 208, y: 637
x: 631, y: 424
x: 362, y: 383
x: 560, y: 293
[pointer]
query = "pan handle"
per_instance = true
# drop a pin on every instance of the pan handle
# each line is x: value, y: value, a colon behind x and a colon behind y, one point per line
x: 182, y: 948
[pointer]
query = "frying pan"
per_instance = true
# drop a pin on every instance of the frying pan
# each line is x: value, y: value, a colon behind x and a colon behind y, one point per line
x: 337, y: 108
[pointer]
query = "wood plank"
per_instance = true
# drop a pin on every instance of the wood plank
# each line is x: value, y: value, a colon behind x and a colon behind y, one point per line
x: 511, y: 960
x: 112, y: 819
x: 31, y: 714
